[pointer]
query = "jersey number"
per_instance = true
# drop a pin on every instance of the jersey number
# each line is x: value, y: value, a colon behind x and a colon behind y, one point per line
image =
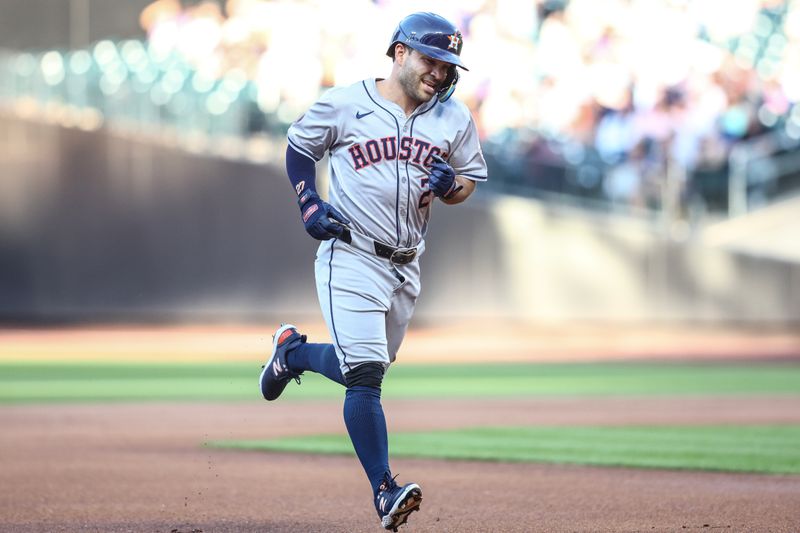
x: 425, y: 199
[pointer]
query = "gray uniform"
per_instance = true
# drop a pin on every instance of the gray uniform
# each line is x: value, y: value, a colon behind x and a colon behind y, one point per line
x: 378, y: 179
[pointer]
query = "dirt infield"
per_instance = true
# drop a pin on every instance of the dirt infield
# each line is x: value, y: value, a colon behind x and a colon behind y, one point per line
x: 144, y: 467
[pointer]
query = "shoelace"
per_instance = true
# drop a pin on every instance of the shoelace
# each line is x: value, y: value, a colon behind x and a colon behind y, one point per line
x: 388, y: 482
x: 292, y: 375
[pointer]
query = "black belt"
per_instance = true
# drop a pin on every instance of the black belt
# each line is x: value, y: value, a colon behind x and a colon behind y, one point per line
x: 398, y: 256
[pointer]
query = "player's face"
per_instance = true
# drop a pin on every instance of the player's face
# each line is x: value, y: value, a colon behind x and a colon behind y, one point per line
x: 421, y: 76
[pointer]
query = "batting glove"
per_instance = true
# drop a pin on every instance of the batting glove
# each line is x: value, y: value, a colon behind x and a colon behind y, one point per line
x: 321, y: 219
x: 442, y: 179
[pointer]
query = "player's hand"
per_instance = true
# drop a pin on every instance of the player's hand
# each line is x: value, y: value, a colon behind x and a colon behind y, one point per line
x: 442, y: 179
x: 321, y: 219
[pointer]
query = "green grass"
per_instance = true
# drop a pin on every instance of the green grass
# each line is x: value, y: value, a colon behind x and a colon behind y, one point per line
x: 764, y: 449
x: 86, y: 382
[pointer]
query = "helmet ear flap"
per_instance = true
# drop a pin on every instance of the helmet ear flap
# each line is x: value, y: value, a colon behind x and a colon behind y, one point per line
x: 449, y: 84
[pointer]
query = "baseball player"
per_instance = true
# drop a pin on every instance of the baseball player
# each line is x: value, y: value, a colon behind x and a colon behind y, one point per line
x: 395, y: 147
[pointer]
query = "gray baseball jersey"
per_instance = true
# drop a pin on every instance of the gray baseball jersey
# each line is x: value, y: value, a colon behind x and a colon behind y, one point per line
x: 378, y: 179
x: 377, y: 155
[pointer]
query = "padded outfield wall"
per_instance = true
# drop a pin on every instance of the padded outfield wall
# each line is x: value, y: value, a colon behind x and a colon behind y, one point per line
x: 97, y: 226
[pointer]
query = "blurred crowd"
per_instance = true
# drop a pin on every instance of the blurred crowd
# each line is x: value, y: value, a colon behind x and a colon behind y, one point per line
x: 627, y: 102
x: 644, y: 100
x: 607, y: 99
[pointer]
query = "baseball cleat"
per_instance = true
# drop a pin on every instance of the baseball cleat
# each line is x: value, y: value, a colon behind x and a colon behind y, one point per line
x: 276, y: 373
x: 394, y: 503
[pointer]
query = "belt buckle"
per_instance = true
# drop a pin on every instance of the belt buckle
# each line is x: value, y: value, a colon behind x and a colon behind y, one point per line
x: 403, y: 256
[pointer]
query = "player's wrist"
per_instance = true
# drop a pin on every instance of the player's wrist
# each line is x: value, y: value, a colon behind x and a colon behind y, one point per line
x: 462, y: 191
x: 307, y: 197
x: 454, y: 189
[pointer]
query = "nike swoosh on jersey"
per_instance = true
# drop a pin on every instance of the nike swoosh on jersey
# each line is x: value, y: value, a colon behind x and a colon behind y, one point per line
x: 360, y: 115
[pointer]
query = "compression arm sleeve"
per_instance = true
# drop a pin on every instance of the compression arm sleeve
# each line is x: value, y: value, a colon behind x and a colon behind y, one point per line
x: 302, y: 171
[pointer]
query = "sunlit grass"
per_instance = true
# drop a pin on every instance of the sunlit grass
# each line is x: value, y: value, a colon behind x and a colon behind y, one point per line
x: 86, y: 382
x: 765, y: 449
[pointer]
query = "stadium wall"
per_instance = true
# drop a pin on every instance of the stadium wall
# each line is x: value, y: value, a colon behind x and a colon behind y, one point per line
x: 99, y: 227
x: 68, y: 24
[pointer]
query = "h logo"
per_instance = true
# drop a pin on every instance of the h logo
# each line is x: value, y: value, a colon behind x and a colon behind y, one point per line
x: 455, y: 41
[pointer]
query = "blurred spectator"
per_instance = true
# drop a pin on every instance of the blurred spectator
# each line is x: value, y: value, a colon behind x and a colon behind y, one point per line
x: 593, y: 97
x: 642, y: 86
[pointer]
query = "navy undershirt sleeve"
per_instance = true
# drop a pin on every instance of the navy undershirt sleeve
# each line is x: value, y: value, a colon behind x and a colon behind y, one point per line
x: 302, y: 171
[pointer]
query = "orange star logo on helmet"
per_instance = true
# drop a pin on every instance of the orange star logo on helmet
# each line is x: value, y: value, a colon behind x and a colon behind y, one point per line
x: 455, y: 40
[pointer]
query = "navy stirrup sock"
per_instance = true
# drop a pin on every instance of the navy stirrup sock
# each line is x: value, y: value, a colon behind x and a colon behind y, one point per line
x: 319, y: 358
x: 366, y: 425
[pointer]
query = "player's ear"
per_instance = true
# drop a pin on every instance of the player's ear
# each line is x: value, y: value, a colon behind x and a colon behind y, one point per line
x: 400, y: 52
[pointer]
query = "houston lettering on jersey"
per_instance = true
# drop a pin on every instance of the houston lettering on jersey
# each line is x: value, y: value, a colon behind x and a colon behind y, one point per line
x: 386, y: 149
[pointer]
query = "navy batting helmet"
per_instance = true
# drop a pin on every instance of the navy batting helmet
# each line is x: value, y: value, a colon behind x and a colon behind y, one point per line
x: 436, y: 37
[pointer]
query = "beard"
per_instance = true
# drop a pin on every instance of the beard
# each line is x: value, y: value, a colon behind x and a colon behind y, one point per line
x: 411, y: 82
